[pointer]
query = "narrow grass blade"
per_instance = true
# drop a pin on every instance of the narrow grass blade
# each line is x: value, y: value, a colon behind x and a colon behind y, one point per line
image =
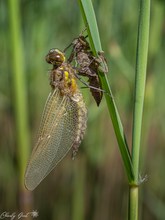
x: 88, y: 14
x: 18, y: 88
x: 140, y: 78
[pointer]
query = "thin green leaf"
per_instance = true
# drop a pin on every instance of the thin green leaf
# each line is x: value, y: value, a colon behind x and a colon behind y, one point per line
x: 88, y: 14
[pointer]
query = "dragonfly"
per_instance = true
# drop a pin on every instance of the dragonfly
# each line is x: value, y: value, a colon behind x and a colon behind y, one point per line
x: 63, y: 122
x: 88, y: 65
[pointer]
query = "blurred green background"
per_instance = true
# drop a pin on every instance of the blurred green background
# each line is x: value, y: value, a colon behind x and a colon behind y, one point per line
x: 94, y: 186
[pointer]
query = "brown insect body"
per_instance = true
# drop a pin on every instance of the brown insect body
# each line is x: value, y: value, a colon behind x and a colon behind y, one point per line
x: 88, y: 65
x: 88, y: 68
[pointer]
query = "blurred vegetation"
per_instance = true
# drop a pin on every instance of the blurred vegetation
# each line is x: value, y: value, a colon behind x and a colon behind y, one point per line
x: 94, y: 186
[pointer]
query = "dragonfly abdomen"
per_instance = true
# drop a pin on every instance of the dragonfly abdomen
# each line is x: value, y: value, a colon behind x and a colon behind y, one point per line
x: 81, y: 124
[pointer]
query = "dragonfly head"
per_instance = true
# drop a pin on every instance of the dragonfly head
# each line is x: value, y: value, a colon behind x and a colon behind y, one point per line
x: 55, y: 57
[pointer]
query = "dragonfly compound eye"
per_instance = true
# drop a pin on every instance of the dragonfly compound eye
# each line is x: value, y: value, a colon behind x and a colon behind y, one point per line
x: 55, y: 57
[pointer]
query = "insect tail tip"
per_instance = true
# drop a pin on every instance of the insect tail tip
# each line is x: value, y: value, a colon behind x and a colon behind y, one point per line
x: 74, y: 153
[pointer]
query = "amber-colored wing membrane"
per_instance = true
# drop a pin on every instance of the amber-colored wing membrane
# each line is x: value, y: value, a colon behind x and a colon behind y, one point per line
x: 57, y: 135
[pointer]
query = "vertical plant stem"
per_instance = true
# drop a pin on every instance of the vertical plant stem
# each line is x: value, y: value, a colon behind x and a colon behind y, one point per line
x: 88, y: 15
x: 141, y: 65
x: 19, y: 90
x: 79, y: 188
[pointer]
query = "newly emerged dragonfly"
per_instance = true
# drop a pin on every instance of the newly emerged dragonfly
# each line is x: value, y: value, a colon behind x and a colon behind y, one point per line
x: 88, y: 65
x: 63, y: 121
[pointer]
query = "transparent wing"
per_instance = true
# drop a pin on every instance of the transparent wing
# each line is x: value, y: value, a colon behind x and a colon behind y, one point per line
x: 57, y: 133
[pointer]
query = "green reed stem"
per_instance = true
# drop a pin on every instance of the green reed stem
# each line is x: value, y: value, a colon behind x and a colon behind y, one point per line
x: 78, y: 190
x: 88, y: 14
x: 16, y: 63
x: 141, y: 65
